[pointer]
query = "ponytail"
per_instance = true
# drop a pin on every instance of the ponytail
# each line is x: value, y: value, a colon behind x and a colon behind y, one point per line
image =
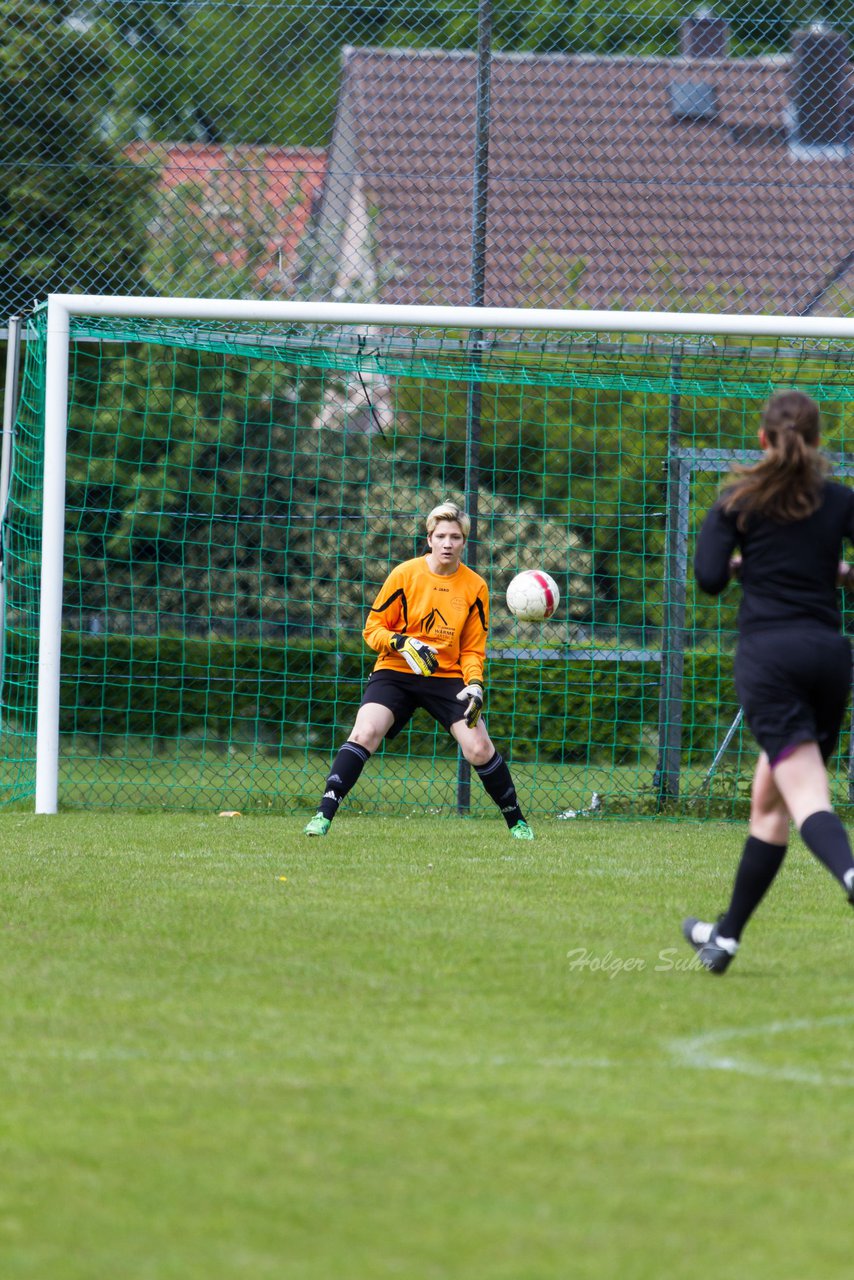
x: 785, y: 484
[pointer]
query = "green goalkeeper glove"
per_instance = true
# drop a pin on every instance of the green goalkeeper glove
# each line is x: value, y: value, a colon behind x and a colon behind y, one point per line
x: 421, y: 657
x: 472, y: 695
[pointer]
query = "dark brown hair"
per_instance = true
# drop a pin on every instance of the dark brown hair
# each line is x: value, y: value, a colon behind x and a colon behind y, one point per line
x: 785, y: 484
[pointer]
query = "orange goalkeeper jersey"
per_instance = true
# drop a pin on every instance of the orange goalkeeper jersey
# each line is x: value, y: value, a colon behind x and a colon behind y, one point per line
x: 451, y: 612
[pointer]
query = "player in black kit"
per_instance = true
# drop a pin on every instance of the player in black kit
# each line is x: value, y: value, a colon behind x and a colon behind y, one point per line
x: 779, y: 527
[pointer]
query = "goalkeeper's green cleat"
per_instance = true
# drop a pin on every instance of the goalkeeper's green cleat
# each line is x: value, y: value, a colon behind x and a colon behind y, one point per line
x: 318, y: 826
x: 521, y: 831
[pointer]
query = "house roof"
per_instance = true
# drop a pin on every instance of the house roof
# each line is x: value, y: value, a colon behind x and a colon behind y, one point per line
x: 599, y: 193
x: 243, y: 202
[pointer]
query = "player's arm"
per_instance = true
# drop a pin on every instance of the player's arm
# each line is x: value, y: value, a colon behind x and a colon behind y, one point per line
x: 473, y: 656
x: 387, y: 615
x: 716, y: 560
x: 385, y: 628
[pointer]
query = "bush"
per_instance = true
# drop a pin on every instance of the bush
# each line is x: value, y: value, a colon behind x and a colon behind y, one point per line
x: 298, y: 692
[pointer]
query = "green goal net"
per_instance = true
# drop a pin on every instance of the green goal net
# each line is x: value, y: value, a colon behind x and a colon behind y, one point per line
x: 236, y: 492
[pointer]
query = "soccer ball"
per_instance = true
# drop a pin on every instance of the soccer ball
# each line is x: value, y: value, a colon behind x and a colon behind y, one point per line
x: 532, y: 596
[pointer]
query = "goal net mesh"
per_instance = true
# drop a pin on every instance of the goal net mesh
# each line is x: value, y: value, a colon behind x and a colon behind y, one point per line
x: 235, y: 497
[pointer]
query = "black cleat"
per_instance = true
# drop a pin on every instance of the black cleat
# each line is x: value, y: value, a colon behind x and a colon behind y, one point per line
x: 714, y: 952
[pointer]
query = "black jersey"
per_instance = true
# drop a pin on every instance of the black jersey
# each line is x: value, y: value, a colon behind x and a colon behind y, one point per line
x: 789, y: 568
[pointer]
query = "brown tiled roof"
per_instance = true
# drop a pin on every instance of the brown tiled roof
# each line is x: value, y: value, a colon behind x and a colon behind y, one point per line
x: 588, y: 166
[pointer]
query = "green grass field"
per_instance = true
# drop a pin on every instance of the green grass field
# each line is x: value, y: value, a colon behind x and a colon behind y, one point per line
x: 415, y: 1049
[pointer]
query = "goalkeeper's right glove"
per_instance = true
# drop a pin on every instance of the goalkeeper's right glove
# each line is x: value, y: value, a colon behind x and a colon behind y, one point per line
x: 421, y: 657
x: 472, y: 696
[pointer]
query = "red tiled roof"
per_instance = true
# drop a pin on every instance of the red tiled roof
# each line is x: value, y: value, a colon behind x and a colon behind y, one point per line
x: 588, y: 166
x: 242, y: 194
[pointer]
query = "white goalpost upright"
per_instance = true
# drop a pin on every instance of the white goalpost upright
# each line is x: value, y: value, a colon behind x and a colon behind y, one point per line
x: 63, y: 308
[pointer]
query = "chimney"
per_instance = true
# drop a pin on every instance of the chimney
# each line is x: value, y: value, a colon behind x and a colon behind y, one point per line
x: 820, y: 84
x: 704, y: 35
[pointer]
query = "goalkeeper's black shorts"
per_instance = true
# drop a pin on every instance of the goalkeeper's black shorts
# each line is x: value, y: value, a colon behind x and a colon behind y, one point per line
x: 794, y: 687
x: 403, y: 694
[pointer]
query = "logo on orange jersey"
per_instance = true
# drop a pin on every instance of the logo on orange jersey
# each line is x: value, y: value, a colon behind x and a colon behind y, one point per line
x: 429, y: 622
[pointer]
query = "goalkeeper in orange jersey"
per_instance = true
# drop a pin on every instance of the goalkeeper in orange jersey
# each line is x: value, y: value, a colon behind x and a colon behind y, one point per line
x: 428, y: 624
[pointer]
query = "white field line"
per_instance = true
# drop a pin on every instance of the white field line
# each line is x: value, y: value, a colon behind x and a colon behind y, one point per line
x: 171, y: 1054
x: 712, y: 1051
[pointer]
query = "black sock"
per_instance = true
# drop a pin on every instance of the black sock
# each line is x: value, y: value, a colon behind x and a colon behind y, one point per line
x: 344, y: 774
x: 760, y: 862
x: 825, y: 836
x: 498, y: 784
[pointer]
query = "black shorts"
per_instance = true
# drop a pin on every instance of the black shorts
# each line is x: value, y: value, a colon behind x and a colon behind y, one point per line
x: 403, y: 694
x: 794, y: 688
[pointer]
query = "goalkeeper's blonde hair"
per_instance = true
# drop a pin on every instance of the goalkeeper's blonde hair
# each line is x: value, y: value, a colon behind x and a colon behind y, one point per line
x: 448, y: 511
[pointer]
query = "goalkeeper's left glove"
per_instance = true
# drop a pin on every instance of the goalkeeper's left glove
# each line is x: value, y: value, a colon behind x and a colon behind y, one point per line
x: 472, y: 695
x: 420, y: 657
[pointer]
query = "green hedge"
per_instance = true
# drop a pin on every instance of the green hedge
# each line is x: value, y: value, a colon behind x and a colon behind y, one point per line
x: 173, y: 686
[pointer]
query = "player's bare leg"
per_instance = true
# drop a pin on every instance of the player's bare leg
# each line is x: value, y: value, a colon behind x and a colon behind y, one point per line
x: 801, y: 778
x: 762, y: 856
x: 373, y: 722
x: 478, y: 748
x: 769, y: 815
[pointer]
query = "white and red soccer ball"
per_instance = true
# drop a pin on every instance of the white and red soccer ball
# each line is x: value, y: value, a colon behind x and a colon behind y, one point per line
x: 532, y: 596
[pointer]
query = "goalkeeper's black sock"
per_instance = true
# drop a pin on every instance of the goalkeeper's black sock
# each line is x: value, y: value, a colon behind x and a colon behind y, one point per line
x: 498, y: 784
x: 825, y: 836
x: 760, y: 862
x: 344, y: 774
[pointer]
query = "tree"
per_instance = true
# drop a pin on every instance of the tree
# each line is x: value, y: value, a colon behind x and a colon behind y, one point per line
x: 278, y: 64
x: 277, y: 70
x: 72, y: 211
x: 205, y: 492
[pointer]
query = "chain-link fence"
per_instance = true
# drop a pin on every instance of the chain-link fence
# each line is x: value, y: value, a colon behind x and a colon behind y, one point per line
x: 569, y: 152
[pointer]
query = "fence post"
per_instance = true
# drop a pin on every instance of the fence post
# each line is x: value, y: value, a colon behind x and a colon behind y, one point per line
x: 10, y: 405
x: 666, y: 778
x: 477, y: 296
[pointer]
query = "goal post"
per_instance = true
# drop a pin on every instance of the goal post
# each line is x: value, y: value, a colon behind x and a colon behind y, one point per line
x: 582, y: 470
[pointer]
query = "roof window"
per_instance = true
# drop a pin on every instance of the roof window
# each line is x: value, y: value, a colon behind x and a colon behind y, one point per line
x: 693, y: 100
